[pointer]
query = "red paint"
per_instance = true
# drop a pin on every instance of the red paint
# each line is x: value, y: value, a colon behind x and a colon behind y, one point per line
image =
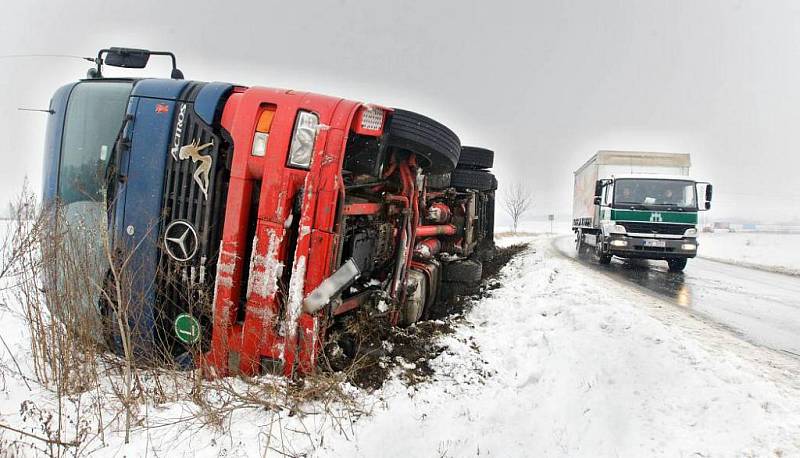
x: 259, y: 335
x: 430, y: 231
x: 292, y: 253
x: 362, y: 209
x: 438, y: 213
x: 427, y: 248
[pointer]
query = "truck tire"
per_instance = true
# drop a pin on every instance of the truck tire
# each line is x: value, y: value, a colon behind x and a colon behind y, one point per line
x: 479, y: 180
x: 466, y: 271
x: 473, y: 157
x: 602, y: 257
x: 437, y: 147
x: 676, y: 265
x: 580, y: 245
x: 439, y: 181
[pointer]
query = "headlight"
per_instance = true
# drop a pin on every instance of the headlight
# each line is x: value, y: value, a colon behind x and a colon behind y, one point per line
x: 690, y: 233
x: 303, y: 138
x: 617, y: 229
x: 619, y: 243
x: 688, y: 247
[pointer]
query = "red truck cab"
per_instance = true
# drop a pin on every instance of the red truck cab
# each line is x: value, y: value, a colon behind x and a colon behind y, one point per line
x: 289, y: 149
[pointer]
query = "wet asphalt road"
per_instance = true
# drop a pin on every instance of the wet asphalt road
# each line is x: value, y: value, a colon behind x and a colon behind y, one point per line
x: 761, y: 307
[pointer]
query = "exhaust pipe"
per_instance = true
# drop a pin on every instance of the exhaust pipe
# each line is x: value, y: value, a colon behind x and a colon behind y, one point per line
x: 331, y: 286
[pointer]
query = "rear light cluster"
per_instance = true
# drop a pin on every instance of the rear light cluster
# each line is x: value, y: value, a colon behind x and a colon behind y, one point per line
x: 372, y: 119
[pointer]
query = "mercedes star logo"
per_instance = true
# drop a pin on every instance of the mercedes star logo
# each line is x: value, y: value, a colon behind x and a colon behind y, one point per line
x: 180, y: 240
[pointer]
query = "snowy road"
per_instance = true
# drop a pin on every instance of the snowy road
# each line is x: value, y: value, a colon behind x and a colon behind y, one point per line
x: 556, y: 360
x: 761, y: 307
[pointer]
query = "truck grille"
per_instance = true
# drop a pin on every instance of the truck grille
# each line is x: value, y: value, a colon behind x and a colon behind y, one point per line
x: 656, y: 228
x: 186, y: 286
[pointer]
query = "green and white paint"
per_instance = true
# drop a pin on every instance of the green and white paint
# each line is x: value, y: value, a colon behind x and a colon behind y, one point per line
x: 653, y: 216
x: 187, y: 328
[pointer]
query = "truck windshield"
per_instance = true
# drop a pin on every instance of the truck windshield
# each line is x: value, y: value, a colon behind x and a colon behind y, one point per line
x: 94, y: 115
x: 649, y: 192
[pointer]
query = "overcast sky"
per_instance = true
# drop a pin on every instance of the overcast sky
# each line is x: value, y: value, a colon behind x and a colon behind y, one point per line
x: 543, y: 83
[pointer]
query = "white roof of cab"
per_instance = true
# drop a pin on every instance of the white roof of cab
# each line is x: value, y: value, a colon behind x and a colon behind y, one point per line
x: 652, y: 176
x: 653, y: 159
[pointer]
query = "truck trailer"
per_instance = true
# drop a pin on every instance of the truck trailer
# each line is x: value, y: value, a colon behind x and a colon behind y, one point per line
x: 634, y: 204
x: 251, y: 219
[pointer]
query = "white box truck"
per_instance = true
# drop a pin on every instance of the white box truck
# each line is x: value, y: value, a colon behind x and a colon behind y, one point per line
x: 635, y: 204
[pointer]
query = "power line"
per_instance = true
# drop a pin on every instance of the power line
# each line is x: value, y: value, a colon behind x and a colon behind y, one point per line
x: 23, y: 56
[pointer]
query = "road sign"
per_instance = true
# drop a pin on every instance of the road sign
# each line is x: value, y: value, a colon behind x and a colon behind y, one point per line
x: 187, y: 328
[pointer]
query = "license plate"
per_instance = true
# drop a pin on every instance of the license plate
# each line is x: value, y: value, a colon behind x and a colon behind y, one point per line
x: 655, y: 243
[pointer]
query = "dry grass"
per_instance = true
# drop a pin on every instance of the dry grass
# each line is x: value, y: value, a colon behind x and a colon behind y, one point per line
x: 501, y: 235
x: 95, y: 392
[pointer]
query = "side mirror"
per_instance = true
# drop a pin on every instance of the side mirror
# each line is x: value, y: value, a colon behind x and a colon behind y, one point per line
x: 597, y: 200
x: 127, y: 57
x: 708, y: 193
x: 598, y: 188
x: 130, y: 58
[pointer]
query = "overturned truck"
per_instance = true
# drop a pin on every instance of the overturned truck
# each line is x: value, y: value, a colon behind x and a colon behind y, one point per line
x: 251, y: 219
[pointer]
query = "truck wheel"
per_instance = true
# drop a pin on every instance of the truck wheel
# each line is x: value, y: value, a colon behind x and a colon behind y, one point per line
x: 602, y: 257
x: 466, y: 271
x: 580, y: 246
x: 439, y: 181
x: 479, y: 180
x: 676, y: 265
x: 473, y: 157
x: 437, y: 147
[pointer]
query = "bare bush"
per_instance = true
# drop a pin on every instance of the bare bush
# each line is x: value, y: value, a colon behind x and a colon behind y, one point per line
x: 78, y: 300
x: 517, y: 201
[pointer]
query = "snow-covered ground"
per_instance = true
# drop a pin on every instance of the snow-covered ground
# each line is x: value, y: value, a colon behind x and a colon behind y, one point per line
x: 770, y: 251
x: 557, y: 361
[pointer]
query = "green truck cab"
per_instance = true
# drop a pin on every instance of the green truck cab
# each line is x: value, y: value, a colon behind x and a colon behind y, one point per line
x: 638, y: 205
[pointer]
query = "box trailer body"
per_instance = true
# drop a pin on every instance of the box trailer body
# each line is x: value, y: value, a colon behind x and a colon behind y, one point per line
x: 638, y: 204
x: 251, y: 219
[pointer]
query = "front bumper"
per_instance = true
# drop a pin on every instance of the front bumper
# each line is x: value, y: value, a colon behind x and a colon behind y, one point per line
x: 626, y: 246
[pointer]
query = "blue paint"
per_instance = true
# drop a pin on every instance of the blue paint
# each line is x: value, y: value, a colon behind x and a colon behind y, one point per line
x: 207, y: 103
x: 139, y: 196
x: 52, y: 143
x: 159, y: 88
x: 140, y: 205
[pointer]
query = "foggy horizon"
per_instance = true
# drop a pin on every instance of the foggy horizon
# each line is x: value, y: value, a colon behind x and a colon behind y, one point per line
x: 544, y: 85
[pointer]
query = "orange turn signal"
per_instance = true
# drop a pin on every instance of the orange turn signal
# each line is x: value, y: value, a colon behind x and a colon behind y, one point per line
x: 265, y: 119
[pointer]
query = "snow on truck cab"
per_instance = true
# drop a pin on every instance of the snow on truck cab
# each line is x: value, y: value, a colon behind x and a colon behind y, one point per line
x: 638, y: 205
x: 251, y: 219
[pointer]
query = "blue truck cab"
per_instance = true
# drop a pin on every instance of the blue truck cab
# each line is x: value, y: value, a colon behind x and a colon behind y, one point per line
x: 110, y: 160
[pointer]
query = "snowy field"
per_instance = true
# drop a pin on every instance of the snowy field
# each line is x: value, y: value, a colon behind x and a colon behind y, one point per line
x: 770, y: 251
x: 557, y: 361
